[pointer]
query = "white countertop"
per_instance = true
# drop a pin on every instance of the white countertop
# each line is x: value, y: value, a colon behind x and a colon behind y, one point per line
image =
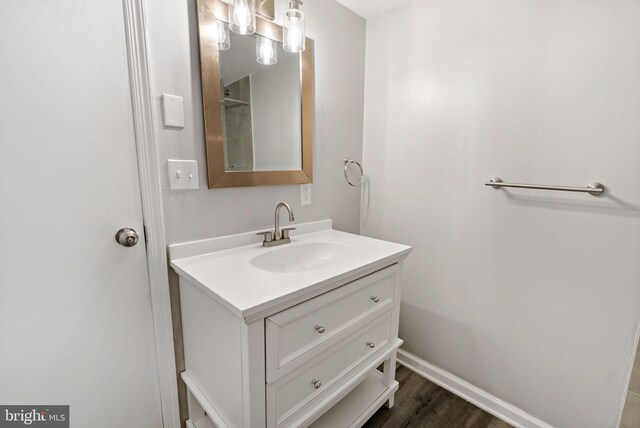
x: 227, y: 275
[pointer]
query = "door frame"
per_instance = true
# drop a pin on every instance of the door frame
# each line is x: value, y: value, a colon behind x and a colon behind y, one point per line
x: 152, y: 212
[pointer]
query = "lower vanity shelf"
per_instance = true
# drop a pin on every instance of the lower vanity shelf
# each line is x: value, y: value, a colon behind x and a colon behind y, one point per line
x: 370, y: 395
x: 350, y: 412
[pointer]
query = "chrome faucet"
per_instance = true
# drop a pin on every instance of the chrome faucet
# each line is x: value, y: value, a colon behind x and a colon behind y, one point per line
x: 278, y: 236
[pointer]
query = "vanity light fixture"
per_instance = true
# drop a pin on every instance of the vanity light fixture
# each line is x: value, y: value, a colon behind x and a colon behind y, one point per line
x: 242, y: 16
x: 266, y: 50
x: 224, y: 41
x: 293, y: 26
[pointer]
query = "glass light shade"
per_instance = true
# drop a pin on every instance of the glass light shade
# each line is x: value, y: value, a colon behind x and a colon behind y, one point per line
x: 224, y: 41
x: 242, y: 16
x: 293, y: 35
x: 266, y: 51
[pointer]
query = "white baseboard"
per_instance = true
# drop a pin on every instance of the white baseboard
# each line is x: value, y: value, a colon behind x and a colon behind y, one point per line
x: 487, y: 402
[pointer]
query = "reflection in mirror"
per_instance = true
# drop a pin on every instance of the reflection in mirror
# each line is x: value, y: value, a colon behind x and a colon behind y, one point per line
x: 261, y: 106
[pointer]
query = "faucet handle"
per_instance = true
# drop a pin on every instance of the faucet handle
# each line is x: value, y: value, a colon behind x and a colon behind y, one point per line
x: 285, y: 232
x: 268, y: 235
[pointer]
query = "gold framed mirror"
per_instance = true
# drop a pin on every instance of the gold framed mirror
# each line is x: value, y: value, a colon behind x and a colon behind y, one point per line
x: 256, y: 133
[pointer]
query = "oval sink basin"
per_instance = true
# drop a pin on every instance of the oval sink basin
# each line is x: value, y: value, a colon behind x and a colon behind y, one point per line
x: 298, y: 258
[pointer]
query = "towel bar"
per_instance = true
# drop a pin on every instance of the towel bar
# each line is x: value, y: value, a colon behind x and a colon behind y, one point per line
x: 594, y: 189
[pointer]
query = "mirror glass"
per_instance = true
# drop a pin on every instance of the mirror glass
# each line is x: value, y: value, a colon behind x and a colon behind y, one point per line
x: 261, y: 107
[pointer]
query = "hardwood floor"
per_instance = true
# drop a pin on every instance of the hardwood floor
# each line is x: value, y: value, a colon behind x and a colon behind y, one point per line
x: 420, y: 403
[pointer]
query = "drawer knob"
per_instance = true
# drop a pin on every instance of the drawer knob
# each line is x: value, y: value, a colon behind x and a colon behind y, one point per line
x: 371, y: 345
x: 375, y: 299
x: 316, y: 383
x: 320, y: 329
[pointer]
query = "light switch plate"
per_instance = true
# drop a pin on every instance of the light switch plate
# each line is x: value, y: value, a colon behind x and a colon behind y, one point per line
x: 173, y: 111
x: 183, y: 174
x: 305, y: 194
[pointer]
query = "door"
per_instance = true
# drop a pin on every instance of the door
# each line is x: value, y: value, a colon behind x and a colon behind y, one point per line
x: 75, y: 312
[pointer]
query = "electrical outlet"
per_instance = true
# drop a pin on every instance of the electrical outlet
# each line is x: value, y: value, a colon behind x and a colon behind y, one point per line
x: 183, y: 175
x: 305, y: 194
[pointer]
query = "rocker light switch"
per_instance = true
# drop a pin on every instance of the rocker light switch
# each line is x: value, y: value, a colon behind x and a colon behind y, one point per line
x: 183, y: 174
x: 172, y: 111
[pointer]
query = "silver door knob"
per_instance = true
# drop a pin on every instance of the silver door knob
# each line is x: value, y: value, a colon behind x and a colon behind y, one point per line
x: 127, y: 237
x: 316, y: 383
x: 375, y: 299
x: 371, y: 345
x: 320, y: 329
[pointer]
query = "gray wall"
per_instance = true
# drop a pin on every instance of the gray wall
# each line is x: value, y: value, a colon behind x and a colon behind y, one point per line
x: 531, y: 296
x: 339, y: 36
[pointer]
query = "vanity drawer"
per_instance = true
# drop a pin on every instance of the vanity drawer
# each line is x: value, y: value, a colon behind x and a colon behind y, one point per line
x: 292, y: 396
x: 296, y: 335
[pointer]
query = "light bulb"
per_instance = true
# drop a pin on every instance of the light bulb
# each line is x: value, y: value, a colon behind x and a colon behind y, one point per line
x: 294, y: 42
x: 242, y: 16
x: 224, y: 41
x: 293, y: 29
x: 266, y: 51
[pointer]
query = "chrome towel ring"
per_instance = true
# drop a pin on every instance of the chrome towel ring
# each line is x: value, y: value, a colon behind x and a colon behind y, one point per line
x: 347, y: 162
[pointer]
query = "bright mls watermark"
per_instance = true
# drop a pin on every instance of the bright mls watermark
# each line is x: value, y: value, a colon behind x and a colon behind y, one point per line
x: 34, y: 416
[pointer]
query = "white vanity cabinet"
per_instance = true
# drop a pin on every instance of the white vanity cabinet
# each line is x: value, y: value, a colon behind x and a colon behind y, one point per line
x: 306, y: 357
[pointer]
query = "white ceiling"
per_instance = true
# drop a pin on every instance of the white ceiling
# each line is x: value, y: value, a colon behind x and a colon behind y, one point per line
x: 372, y: 8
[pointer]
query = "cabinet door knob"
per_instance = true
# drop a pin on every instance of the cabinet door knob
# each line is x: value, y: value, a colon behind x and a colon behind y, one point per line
x: 320, y: 329
x: 316, y: 383
x: 375, y: 299
x: 371, y: 345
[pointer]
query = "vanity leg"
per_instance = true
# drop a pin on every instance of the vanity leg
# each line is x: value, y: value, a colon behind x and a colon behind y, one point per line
x: 194, y: 410
x: 388, y: 377
x: 389, y: 403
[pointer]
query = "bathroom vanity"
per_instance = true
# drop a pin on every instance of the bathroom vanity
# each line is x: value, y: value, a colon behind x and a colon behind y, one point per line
x: 289, y: 336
